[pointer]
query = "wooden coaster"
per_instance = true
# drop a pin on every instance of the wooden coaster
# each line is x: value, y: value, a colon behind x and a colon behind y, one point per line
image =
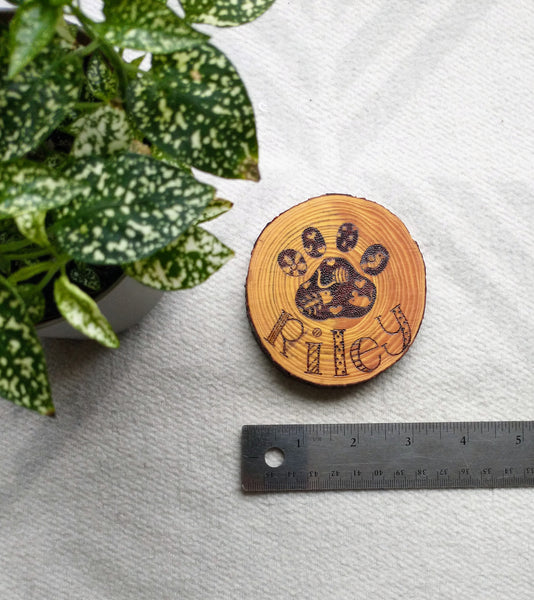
x: 336, y: 290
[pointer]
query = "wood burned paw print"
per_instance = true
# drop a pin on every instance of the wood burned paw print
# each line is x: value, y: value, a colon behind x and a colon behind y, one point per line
x: 292, y: 263
x: 336, y: 289
x: 335, y: 306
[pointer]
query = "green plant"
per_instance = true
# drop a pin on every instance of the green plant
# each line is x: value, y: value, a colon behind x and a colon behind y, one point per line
x: 96, y: 158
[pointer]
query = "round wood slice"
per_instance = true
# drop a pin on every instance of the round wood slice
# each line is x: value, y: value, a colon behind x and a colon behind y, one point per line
x: 336, y: 290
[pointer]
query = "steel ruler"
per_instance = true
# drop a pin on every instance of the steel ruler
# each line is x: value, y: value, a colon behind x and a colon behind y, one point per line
x: 380, y: 456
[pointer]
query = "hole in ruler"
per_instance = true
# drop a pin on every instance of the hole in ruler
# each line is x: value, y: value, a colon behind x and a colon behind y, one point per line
x: 274, y: 457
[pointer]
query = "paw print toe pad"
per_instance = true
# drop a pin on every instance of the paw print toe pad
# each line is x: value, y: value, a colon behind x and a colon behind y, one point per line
x: 313, y: 242
x: 292, y: 263
x: 347, y: 237
x: 374, y: 259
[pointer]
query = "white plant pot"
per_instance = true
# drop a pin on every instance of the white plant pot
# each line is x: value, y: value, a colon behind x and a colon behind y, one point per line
x: 124, y: 304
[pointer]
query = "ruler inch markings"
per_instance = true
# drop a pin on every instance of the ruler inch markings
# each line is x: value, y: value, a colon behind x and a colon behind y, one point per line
x: 375, y: 456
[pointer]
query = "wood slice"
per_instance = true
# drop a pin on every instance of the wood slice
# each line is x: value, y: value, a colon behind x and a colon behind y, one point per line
x: 336, y: 290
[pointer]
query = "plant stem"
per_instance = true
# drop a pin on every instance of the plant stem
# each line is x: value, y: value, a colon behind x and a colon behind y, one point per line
x: 28, y: 255
x: 86, y: 50
x: 14, y: 246
x: 44, y: 281
x: 32, y: 270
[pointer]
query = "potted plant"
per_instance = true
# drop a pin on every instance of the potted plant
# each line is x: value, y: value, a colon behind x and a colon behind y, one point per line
x: 96, y: 158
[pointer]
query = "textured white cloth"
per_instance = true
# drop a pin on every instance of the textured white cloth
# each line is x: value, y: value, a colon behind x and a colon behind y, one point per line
x: 133, y: 491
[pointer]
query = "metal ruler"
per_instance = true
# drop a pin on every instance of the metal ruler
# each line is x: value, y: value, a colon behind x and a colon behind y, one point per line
x: 380, y: 456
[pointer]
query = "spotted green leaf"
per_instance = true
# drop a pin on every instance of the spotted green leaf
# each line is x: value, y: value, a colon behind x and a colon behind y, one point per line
x: 31, y: 186
x: 194, y: 107
x: 214, y: 209
x: 32, y: 226
x: 146, y: 25
x: 184, y: 263
x: 67, y: 31
x: 34, y: 300
x: 160, y: 155
x: 224, y: 13
x: 124, y: 218
x: 103, y: 132
x: 82, y: 312
x: 23, y: 376
x: 85, y: 276
x: 36, y: 100
x: 136, y: 62
x: 102, y: 81
x: 31, y: 29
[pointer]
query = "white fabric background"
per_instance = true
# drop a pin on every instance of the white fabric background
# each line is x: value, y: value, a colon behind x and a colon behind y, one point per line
x: 133, y: 491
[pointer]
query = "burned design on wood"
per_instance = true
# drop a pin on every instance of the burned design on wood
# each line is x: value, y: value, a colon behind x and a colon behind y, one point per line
x: 336, y: 289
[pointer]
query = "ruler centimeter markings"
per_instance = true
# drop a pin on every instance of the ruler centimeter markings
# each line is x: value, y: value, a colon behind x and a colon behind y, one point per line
x: 376, y: 456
